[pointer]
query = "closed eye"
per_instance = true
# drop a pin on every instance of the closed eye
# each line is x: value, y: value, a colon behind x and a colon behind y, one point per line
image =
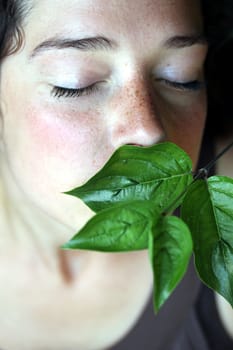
x: 59, y: 91
x: 194, y: 85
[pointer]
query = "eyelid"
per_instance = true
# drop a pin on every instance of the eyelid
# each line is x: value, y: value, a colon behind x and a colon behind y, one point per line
x: 192, y: 85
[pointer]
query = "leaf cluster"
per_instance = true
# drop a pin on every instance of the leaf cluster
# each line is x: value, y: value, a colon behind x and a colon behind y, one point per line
x: 133, y: 196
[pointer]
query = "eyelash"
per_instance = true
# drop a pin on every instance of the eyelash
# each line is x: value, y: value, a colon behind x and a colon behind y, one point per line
x: 194, y: 85
x: 59, y: 91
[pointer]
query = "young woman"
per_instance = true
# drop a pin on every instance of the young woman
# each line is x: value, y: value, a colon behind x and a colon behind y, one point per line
x: 78, y: 79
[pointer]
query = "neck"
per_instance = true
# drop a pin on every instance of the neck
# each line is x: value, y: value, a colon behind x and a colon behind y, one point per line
x: 30, y: 232
x: 67, y: 292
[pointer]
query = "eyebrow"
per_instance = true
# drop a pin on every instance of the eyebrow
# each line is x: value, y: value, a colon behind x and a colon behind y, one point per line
x: 103, y: 43
x: 180, y: 42
x: 84, y: 44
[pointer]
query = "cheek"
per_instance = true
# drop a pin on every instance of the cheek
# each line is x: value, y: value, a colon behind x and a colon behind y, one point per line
x: 185, y: 128
x: 52, y: 135
x: 64, y: 146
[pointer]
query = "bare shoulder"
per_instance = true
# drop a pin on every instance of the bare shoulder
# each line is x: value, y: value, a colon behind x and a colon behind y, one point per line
x: 226, y: 314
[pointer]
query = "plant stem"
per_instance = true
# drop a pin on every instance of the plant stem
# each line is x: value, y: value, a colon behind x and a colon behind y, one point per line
x: 212, y: 163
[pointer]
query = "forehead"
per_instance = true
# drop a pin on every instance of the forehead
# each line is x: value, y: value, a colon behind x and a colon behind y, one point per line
x: 120, y: 18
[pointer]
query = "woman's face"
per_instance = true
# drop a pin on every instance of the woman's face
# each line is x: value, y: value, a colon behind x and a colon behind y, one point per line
x: 94, y: 75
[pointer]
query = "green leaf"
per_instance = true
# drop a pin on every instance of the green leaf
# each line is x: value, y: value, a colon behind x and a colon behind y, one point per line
x: 158, y: 173
x: 121, y: 228
x: 170, y: 248
x: 208, y: 211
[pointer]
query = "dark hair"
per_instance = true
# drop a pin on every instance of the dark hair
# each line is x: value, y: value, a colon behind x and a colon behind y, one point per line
x: 218, y: 25
x: 219, y: 68
x: 12, y: 15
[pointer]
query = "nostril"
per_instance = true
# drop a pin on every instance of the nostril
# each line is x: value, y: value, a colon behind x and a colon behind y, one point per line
x: 137, y: 132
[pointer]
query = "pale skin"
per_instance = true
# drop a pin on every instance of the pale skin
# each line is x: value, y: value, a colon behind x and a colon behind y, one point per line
x: 148, y: 88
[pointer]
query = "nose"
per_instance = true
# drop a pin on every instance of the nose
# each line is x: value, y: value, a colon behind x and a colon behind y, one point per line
x: 135, y: 120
